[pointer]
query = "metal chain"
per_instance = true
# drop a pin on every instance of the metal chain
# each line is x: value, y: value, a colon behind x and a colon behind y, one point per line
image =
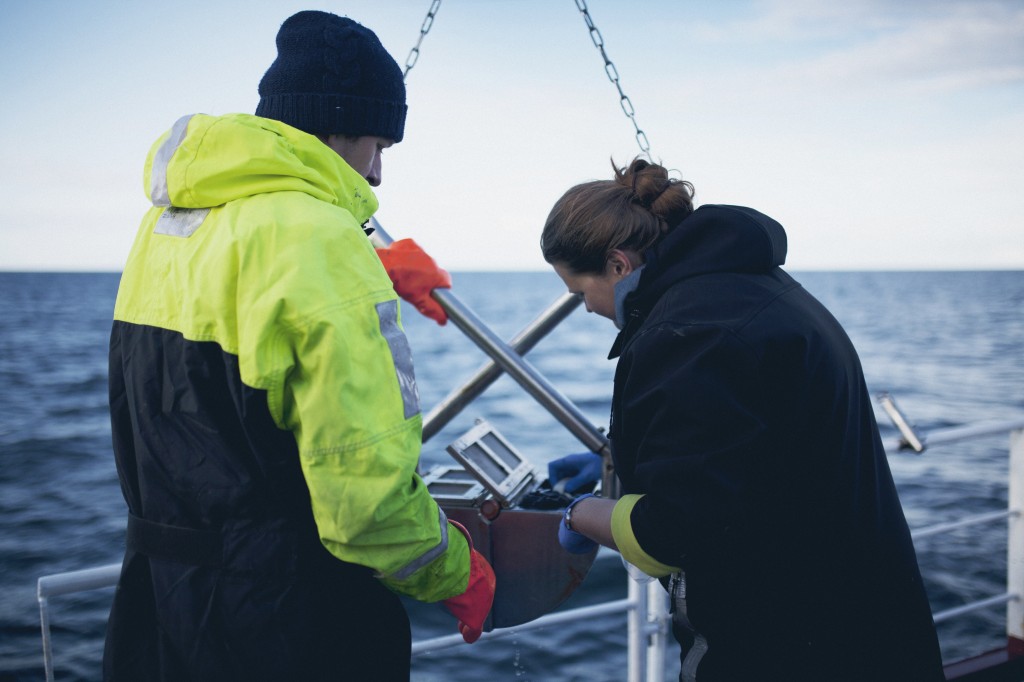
x: 613, y: 76
x: 595, y: 36
x: 414, y: 54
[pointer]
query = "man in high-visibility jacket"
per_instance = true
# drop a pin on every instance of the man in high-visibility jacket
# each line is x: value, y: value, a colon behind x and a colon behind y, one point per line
x: 266, y: 420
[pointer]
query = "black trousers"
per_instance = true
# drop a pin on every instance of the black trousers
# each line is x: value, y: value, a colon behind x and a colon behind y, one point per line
x: 175, y: 623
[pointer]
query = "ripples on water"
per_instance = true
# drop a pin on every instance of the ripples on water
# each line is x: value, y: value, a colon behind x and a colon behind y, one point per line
x: 948, y: 345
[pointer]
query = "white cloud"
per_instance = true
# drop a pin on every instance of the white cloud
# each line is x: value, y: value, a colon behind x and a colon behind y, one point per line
x: 954, y: 44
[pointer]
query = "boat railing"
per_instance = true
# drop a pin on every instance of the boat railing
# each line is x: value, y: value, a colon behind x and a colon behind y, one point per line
x: 976, y: 520
x: 1014, y: 595
x: 646, y: 604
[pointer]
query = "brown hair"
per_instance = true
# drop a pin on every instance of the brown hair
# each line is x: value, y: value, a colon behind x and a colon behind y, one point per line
x: 632, y: 211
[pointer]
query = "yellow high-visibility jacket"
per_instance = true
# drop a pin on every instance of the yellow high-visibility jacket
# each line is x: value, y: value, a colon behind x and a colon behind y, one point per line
x: 263, y: 399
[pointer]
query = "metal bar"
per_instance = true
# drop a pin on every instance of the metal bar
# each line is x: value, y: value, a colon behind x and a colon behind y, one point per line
x: 44, y: 622
x: 963, y: 433
x: 636, y: 619
x: 1015, y: 542
x: 976, y: 606
x: 521, y: 343
x: 963, y: 523
x: 77, y: 581
x: 517, y: 367
x: 524, y: 374
x: 910, y: 438
x: 449, y: 641
x: 106, y: 576
x: 658, y: 619
x: 67, y: 583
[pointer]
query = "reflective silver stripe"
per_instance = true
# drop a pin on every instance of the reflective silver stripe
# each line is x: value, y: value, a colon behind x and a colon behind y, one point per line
x: 387, y: 312
x: 158, y: 192
x: 425, y: 558
x: 180, y: 222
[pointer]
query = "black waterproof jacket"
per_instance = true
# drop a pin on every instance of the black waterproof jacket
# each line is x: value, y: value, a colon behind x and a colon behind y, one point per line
x: 741, y: 414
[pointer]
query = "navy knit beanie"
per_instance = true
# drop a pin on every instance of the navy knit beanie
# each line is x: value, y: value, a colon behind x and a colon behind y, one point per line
x: 332, y: 76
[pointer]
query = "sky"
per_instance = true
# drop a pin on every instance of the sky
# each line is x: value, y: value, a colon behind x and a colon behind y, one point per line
x: 883, y: 135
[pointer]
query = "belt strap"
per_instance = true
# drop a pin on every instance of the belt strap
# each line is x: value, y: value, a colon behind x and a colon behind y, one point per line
x: 174, y: 543
x: 693, y: 644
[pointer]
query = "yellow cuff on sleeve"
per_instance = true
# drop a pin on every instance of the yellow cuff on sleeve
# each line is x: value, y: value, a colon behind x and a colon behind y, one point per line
x: 622, y: 533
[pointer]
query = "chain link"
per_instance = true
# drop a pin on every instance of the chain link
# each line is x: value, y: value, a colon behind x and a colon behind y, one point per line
x: 414, y: 54
x: 613, y: 76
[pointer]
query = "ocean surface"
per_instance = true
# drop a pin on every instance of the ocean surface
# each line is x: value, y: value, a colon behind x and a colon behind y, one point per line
x: 948, y: 345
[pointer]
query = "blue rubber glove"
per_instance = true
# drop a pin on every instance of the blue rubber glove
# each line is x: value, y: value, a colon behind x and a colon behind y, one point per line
x: 571, y: 541
x: 582, y: 469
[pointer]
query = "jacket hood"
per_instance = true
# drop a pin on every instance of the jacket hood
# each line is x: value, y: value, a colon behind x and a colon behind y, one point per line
x: 207, y: 161
x: 714, y: 238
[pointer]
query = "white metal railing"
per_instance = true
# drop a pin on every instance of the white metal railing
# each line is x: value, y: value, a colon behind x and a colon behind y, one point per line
x: 646, y: 605
x: 647, y: 629
x: 994, y: 600
x: 963, y: 523
x: 1014, y: 595
x: 68, y: 583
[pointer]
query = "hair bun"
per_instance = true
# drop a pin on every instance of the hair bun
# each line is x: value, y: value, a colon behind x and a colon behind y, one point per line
x: 650, y: 187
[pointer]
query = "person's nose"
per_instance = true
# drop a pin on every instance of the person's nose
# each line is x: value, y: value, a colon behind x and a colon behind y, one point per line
x: 374, y: 175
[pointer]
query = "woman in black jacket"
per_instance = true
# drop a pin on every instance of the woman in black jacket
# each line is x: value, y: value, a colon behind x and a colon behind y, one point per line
x: 754, y: 478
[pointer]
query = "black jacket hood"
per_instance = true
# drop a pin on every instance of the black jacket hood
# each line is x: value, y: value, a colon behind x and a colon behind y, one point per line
x: 714, y: 238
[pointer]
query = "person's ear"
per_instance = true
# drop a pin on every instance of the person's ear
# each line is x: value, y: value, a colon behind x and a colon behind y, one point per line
x: 618, y: 263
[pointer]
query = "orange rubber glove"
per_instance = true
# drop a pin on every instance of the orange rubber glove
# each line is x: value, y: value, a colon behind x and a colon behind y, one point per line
x: 414, y: 275
x: 472, y: 606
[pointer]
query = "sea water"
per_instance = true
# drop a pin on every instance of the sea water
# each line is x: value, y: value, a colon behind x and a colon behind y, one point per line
x: 948, y: 345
